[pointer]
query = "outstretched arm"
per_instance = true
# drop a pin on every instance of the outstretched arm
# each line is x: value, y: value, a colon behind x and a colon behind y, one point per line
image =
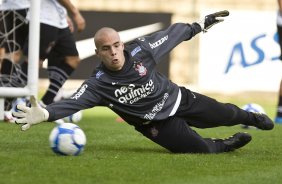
x: 84, y: 98
x: 75, y: 14
x: 162, y: 42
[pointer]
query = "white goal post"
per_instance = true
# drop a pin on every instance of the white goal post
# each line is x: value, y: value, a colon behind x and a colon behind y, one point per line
x: 33, y: 61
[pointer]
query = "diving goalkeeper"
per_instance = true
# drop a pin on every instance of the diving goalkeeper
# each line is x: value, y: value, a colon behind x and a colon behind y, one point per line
x: 127, y: 82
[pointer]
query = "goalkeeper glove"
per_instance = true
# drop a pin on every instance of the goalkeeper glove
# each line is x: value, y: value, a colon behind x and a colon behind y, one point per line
x: 28, y: 116
x: 212, y: 19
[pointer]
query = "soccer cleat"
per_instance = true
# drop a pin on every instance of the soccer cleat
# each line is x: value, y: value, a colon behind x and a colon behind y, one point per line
x: 236, y: 141
x: 248, y: 127
x: 278, y: 120
x: 263, y: 122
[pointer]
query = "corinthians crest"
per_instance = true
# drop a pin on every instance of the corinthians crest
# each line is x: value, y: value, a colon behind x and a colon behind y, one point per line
x: 138, y: 66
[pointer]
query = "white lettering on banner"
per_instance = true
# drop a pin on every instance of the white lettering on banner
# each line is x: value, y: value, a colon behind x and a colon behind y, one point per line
x: 131, y: 93
x: 159, y: 42
x: 80, y: 92
x: 157, y: 108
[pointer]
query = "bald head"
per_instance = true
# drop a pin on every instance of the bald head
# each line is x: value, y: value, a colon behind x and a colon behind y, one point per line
x: 109, y: 48
x: 104, y: 34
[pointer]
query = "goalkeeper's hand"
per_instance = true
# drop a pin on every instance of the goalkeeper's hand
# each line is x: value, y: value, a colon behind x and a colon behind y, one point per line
x: 28, y: 116
x: 213, y: 19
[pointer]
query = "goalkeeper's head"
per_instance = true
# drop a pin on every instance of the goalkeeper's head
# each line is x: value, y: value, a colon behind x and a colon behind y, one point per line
x: 109, y: 48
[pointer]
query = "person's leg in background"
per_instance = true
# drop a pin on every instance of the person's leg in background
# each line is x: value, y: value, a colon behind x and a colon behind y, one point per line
x: 278, y: 118
x: 62, y: 61
x: 59, y: 70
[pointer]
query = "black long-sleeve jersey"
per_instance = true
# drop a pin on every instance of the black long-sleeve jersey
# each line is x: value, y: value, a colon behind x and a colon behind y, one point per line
x: 138, y: 93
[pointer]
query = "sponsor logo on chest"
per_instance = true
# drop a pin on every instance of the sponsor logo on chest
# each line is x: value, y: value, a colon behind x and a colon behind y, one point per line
x: 132, y: 93
x: 159, y: 42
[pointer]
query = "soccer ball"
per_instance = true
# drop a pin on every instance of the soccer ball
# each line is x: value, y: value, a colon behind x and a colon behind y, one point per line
x: 8, y: 117
x: 67, y: 139
x: 252, y: 107
x: 74, y: 118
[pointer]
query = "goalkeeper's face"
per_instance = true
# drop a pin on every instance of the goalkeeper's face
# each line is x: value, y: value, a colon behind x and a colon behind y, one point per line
x: 109, y: 48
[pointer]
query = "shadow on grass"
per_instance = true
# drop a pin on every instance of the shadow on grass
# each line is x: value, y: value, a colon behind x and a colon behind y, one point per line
x: 124, y: 149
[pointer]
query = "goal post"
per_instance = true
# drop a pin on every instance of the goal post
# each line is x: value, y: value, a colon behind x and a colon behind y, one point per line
x: 33, y: 61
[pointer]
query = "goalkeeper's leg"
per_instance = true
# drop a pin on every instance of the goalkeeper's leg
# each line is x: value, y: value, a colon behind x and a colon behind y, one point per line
x: 175, y: 135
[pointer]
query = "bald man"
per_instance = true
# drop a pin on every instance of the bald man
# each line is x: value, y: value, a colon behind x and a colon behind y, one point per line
x: 128, y: 83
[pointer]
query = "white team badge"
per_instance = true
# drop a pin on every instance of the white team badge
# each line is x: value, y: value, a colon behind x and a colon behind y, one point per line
x: 142, y: 70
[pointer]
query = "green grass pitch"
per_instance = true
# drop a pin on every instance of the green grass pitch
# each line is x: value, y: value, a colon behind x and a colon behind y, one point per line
x: 115, y: 153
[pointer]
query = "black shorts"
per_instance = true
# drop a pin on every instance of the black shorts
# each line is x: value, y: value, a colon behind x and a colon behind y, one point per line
x: 13, y: 29
x: 52, y: 39
x: 195, y: 110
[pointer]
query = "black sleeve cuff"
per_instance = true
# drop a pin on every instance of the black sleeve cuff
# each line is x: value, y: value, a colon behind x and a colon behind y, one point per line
x: 197, y: 28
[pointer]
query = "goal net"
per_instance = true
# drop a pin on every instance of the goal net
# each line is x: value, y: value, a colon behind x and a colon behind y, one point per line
x: 13, y: 32
x: 11, y: 43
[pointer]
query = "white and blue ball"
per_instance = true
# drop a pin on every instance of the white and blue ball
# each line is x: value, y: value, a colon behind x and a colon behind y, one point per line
x: 74, y: 118
x: 67, y: 139
x: 252, y: 107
